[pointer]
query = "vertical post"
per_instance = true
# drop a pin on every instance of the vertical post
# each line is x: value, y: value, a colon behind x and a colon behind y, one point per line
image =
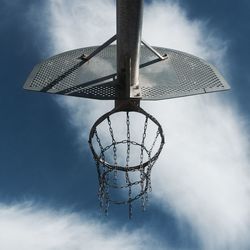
x: 129, y: 25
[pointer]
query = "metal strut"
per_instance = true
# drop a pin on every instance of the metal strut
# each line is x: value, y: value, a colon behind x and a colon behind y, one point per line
x: 99, y: 49
x: 162, y: 57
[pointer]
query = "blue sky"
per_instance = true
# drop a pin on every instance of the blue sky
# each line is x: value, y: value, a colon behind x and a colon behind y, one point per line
x: 200, y: 198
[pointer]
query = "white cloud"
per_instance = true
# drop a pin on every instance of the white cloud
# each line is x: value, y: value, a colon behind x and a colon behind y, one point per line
x: 175, y: 31
x: 28, y: 227
x: 202, y: 174
x: 79, y: 24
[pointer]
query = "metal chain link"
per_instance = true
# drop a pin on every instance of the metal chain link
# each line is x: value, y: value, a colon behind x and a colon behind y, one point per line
x: 127, y: 165
x: 128, y: 139
x: 141, y: 162
x: 152, y: 163
x: 114, y: 149
x: 153, y: 144
x: 103, y: 192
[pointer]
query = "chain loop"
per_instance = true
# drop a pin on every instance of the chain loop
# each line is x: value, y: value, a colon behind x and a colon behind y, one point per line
x: 114, y: 149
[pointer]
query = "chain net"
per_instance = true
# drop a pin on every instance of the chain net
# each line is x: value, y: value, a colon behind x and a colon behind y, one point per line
x: 124, y: 157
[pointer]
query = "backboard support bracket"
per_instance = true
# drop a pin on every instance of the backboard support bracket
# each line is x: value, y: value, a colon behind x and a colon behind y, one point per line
x: 133, y: 91
x: 162, y: 57
x: 99, y: 49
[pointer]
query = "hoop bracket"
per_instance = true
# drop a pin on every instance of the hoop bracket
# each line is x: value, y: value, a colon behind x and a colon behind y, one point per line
x: 127, y: 105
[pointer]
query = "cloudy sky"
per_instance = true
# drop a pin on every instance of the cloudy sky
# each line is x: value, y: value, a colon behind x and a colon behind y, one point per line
x: 48, y: 182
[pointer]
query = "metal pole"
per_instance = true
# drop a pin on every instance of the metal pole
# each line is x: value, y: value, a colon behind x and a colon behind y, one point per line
x: 129, y: 25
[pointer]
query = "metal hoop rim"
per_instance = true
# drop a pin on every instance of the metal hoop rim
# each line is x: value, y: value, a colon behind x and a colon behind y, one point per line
x: 128, y: 108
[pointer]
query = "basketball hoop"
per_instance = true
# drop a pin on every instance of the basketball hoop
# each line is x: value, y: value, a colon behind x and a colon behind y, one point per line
x: 118, y: 172
x: 127, y: 72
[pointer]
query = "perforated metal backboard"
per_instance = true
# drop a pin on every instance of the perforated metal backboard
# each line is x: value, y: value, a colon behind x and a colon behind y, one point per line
x: 181, y: 74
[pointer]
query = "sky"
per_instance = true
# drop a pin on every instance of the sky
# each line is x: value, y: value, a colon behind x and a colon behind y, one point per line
x: 48, y: 181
